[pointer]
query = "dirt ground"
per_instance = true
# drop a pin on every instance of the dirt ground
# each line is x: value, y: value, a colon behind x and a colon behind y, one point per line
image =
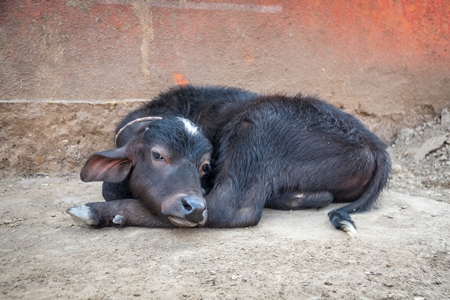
x: 402, y: 250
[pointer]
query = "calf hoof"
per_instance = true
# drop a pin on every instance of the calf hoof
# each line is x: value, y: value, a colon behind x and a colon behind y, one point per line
x: 118, y: 221
x: 83, y: 216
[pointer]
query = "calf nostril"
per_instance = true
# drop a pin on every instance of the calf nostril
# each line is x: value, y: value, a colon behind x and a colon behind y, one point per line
x: 186, y: 205
x: 194, y: 208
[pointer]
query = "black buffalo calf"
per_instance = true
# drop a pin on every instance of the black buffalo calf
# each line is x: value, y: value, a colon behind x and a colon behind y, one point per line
x: 214, y: 156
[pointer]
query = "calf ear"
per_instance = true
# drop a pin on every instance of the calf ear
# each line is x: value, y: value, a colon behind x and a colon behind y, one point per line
x: 110, y: 166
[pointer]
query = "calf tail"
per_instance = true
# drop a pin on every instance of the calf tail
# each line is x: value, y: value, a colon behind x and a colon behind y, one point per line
x: 340, y: 217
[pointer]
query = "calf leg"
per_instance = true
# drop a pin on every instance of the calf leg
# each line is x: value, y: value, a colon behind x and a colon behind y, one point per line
x: 229, y: 206
x: 117, y: 213
x: 295, y: 201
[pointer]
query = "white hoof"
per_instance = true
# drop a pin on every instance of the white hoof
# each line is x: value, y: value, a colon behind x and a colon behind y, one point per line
x: 118, y: 220
x: 82, y: 215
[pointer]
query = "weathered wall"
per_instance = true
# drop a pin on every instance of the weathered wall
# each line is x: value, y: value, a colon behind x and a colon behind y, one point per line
x: 387, y: 62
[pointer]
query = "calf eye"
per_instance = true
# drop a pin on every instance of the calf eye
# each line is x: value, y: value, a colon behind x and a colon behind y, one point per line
x: 157, y: 156
x: 206, y: 168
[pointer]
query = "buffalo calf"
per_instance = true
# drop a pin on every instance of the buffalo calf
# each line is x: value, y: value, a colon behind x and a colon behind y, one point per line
x: 216, y: 157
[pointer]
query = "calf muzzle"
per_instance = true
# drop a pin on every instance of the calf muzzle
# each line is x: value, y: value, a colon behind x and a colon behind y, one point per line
x: 186, y: 211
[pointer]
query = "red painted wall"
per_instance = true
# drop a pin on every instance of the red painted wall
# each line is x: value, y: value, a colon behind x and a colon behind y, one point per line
x: 382, y: 60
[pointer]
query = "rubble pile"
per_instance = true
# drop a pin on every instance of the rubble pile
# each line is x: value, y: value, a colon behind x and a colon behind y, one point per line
x: 421, y: 159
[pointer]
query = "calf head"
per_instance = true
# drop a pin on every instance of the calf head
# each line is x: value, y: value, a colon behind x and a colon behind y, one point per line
x: 163, y: 164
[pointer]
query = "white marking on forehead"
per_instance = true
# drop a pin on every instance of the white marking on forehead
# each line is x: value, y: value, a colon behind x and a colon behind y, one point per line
x: 191, y: 128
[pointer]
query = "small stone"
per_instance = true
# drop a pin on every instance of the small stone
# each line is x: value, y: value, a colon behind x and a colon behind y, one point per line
x: 445, y: 118
x: 429, y: 124
x: 429, y: 146
x: 405, y: 135
x: 396, y: 168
